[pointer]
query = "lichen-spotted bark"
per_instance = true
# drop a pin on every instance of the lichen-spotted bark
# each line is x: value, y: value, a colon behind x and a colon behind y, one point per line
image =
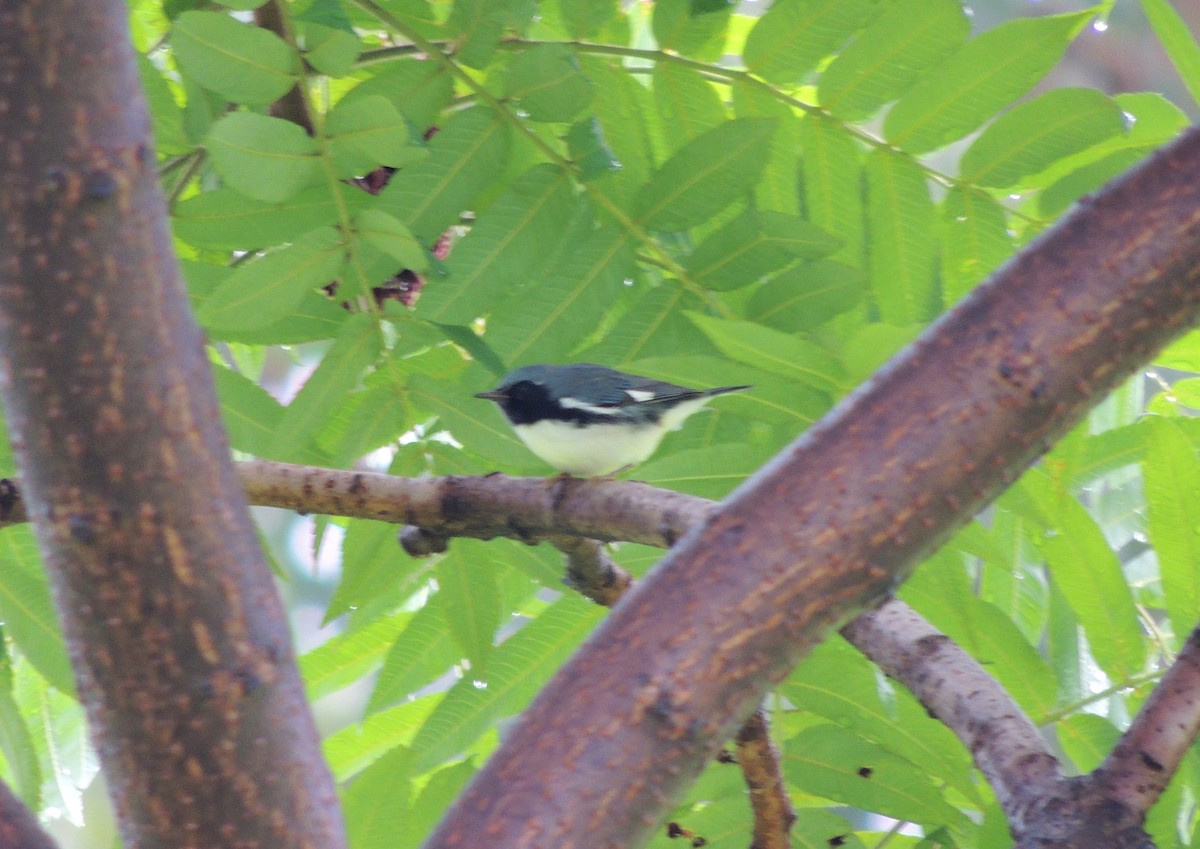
x: 828, y: 528
x: 178, y: 640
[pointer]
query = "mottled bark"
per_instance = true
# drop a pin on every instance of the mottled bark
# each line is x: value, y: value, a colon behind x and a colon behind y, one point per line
x: 178, y: 641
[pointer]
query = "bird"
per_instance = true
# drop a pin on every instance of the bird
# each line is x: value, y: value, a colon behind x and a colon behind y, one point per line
x: 588, y: 420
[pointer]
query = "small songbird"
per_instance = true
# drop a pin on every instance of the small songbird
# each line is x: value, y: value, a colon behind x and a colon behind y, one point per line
x: 585, y: 419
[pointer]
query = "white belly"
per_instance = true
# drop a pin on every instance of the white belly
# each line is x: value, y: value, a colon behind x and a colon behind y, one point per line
x: 600, y: 449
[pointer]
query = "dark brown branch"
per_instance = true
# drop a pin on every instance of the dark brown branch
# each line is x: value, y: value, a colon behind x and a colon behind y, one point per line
x: 759, y: 760
x: 176, y: 635
x: 1148, y: 754
x: 19, y: 828
x: 292, y: 106
x: 592, y: 573
x: 832, y: 524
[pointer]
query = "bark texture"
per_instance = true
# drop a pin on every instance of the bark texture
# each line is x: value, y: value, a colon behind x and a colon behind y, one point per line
x: 178, y: 641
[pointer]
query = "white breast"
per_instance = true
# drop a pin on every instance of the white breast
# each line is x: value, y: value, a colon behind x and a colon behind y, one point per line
x: 600, y: 449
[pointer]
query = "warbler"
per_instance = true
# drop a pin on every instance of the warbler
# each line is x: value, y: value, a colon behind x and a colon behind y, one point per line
x: 585, y: 419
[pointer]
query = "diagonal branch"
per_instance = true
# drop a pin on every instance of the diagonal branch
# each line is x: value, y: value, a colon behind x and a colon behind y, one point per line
x: 814, y: 539
x: 1148, y: 754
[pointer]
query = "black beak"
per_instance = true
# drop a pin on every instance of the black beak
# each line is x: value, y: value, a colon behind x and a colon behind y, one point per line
x: 496, y: 395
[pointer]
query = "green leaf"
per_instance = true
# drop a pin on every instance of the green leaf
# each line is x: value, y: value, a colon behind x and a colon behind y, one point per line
x: 227, y: 220
x: 315, y: 318
x: 986, y: 74
x: 373, y: 566
x: 585, y: 18
x: 694, y: 28
x: 366, y: 132
x: 16, y: 740
x: 688, y: 104
x: 626, y: 113
x: 869, y: 346
x: 590, y: 151
x: 548, y: 83
x: 832, y: 185
x: 465, y: 157
x: 974, y: 238
x: 378, y: 804
x: 887, y: 58
x: 344, y: 659
x: 902, y: 224
x: 780, y: 353
x: 778, y: 190
x: 506, y: 248
x: 1039, y: 132
x: 268, y: 288
x: 27, y: 611
x: 707, y: 175
x: 838, y: 683
x: 420, y: 90
x: 1087, y: 740
x: 356, y: 747
x: 357, y: 347
x: 247, y: 64
x: 250, y: 413
x: 519, y: 666
x: 753, y: 245
x: 1172, y: 480
x: 436, y: 797
x: 477, y: 26
x: 331, y: 50
x: 477, y: 424
x: 167, y: 117
x: 807, y: 296
x: 266, y: 158
x: 1089, y: 575
x: 817, y: 828
x: 559, y: 309
x: 386, y: 233
x: 792, y: 37
x: 421, y: 654
x: 655, y: 324
x: 829, y: 761
x: 1181, y: 47
x: 472, y: 604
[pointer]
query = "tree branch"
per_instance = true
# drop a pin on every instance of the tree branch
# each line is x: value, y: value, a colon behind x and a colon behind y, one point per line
x: 957, y: 691
x: 176, y: 635
x: 1148, y: 754
x: 19, y: 828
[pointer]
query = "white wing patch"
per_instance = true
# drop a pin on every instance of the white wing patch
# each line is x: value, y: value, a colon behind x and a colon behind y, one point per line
x: 576, y: 404
x: 640, y: 395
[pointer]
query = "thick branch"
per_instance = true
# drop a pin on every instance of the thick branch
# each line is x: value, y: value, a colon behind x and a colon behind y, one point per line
x: 826, y: 529
x: 176, y: 635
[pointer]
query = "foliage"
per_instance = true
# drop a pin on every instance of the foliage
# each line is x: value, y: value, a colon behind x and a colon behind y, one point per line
x: 687, y: 193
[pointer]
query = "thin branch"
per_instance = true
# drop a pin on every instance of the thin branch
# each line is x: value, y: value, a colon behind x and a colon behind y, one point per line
x: 590, y: 571
x: 759, y: 760
x: 957, y: 691
x: 1148, y: 753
